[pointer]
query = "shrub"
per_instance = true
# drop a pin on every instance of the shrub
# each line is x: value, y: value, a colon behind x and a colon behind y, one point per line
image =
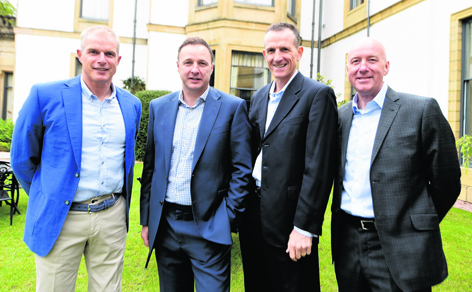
x: 138, y: 84
x: 6, y: 132
x: 320, y: 78
x: 145, y: 97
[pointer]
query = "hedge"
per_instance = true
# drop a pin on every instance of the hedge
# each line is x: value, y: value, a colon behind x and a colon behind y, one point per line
x: 145, y: 97
x: 6, y: 132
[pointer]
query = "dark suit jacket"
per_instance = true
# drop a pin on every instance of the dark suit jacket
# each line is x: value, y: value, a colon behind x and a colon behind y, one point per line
x: 46, y: 155
x: 299, y: 152
x: 221, y: 169
x: 415, y: 180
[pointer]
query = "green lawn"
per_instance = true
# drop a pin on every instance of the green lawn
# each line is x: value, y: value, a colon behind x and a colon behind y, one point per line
x: 17, y: 269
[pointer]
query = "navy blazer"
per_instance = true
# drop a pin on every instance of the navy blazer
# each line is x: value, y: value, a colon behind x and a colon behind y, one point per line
x: 415, y: 180
x: 221, y: 169
x: 46, y: 153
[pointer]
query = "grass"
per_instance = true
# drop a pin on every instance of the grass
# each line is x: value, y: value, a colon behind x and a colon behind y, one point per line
x: 17, y: 268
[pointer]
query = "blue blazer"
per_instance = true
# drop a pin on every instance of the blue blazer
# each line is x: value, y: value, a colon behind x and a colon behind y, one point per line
x: 46, y: 153
x: 221, y: 169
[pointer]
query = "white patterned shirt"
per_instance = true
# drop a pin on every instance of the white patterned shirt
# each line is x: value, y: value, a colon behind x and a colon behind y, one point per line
x: 183, y: 146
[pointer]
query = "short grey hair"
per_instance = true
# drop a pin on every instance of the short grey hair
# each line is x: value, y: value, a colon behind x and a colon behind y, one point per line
x: 99, y: 29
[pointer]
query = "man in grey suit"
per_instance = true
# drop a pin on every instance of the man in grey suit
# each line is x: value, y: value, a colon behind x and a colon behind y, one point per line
x: 398, y: 175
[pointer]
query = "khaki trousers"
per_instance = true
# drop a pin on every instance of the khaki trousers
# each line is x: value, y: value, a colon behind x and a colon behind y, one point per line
x: 100, y: 237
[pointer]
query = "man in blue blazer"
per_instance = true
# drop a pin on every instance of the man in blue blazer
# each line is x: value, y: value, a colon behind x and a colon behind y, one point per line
x: 73, y: 153
x: 397, y: 177
x: 197, y: 170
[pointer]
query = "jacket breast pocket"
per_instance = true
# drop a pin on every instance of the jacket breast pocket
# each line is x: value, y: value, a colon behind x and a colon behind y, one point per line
x: 425, y: 221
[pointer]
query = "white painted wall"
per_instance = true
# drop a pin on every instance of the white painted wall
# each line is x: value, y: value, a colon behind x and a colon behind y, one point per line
x: 123, y: 18
x: 46, y: 14
x: 333, y: 17
x: 173, y: 13
x: 162, y: 66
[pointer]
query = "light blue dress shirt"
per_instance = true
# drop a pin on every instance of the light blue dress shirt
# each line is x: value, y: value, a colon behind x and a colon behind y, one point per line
x: 103, y: 146
x: 183, y: 146
x: 356, y: 197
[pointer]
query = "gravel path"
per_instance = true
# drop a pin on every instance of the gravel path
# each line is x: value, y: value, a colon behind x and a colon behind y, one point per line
x: 463, y: 205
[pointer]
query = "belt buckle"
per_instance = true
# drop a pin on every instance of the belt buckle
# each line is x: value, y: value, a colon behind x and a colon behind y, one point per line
x: 94, y: 200
x: 367, y: 221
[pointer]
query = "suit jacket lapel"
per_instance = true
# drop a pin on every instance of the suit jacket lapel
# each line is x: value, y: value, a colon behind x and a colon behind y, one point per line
x: 289, y: 99
x: 262, y: 113
x: 209, y: 115
x: 72, y: 98
x: 346, y: 121
x: 389, y: 112
x: 170, y: 115
x: 128, y: 119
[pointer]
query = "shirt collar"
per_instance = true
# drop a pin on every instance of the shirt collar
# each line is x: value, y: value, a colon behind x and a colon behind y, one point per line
x: 90, y: 95
x: 201, y: 99
x: 272, y: 87
x: 379, y: 98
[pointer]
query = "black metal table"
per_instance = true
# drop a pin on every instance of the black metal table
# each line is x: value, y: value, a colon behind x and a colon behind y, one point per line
x: 8, y: 186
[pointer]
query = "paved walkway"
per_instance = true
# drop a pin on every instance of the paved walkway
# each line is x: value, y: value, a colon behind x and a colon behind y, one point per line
x: 5, y: 156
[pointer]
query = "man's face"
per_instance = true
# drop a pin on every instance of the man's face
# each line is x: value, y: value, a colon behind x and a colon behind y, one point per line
x: 99, y: 58
x: 366, y: 67
x: 281, y: 54
x: 195, y: 67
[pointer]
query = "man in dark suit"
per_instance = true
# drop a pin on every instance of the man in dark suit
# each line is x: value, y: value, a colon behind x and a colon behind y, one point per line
x: 197, y: 170
x: 293, y: 123
x: 398, y: 176
x: 73, y: 153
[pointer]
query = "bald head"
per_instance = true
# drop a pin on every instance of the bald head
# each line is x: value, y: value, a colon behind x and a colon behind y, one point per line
x: 366, y: 66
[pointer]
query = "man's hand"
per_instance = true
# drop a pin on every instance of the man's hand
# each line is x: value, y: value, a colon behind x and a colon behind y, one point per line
x: 145, y: 235
x: 298, y: 245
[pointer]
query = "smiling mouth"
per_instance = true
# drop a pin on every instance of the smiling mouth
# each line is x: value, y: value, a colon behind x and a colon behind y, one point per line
x: 364, y: 78
x: 280, y: 66
x: 101, y: 69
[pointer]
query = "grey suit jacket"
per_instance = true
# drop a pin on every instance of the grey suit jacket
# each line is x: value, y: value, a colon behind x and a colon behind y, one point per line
x: 415, y: 180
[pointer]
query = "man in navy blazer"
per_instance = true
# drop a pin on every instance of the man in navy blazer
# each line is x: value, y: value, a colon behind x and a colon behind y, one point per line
x: 73, y: 153
x: 197, y: 170
x: 398, y: 176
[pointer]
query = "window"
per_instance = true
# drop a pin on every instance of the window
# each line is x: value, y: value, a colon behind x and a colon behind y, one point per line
x: 291, y: 7
x: 95, y: 9
x: 256, y: 2
x: 7, y: 96
x: 355, y: 3
x: 206, y: 2
x: 249, y: 72
x: 467, y: 77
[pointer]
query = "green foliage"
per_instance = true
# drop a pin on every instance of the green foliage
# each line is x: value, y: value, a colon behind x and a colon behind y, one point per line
x: 145, y: 97
x: 464, y: 145
x: 6, y: 132
x: 320, y: 78
x: 6, y: 8
x: 138, y: 84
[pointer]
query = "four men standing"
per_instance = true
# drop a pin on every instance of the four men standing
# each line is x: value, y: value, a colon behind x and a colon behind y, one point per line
x: 207, y: 163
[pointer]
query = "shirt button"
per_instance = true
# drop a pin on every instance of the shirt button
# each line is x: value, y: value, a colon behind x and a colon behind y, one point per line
x: 102, y: 183
x: 76, y: 174
x: 66, y: 202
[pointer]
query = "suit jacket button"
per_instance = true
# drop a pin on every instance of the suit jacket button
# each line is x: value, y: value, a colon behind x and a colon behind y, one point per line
x: 76, y: 175
x: 66, y: 202
x: 161, y: 202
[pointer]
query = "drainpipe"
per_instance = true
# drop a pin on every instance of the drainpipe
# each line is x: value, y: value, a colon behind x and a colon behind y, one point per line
x: 368, y: 17
x: 312, y: 40
x: 134, y: 44
x: 319, y: 36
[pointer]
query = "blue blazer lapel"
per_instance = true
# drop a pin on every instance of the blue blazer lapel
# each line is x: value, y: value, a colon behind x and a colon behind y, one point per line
x: 209, y: 115
x: 72, y: 98
x: 128, y: 114
x: 389, y: 111
x: 289, y: 99
x: 170, y: 116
